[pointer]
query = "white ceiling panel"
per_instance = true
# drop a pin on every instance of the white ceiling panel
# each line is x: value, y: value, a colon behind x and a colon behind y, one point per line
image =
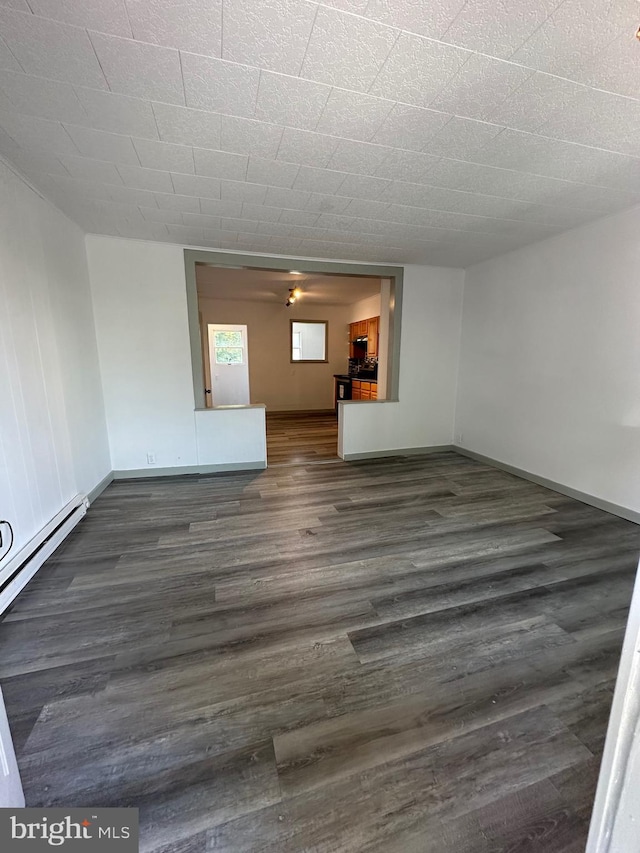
x: 116, y: 113
x: 290, y: 101
x: 498, y: 27
x: 243, y: 136
x: 192, y: 25
x: 271, y: 173
x: 371, y: 129
x: 479, y: 87
x: 164, y: 155
x: 272, y: 34
x: 140, y: 70
x: 427, y: 19
x: 103, y: 146
x: 417, y: 69
x: 44, y: 98
x: 187, y: 127
x: 219, y: 86
x: 220, y: 164
x: 414, y: 126
x: 307, y: 148
x: 345, y: 50
x: 106, y: 16
x: 353, y: 115
x: 49, y: 49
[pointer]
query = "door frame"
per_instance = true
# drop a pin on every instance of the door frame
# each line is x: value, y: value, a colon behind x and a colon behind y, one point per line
x: 262, y: 262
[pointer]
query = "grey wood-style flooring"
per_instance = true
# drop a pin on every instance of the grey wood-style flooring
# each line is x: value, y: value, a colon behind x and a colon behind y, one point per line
x: 408, y: 654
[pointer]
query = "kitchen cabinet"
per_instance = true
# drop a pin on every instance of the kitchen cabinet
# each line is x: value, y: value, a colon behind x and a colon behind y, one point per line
x: 364, y: 328
x: 361, y: 390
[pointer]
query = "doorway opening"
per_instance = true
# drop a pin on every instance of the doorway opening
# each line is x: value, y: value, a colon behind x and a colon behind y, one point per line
x: 306, y: 338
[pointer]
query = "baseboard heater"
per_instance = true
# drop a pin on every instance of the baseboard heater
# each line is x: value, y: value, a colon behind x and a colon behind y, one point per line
x: 19, y: 570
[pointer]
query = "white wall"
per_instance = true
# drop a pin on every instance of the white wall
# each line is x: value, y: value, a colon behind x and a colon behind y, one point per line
x: 53, y: 440
x: 273, y: 379
x: 364, y: 309
x: 423, y: 417
x: 550, y: 362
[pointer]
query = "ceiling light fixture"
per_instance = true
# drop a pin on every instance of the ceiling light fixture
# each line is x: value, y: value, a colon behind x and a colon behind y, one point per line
x: 294, y: 293
x: 295, y: 272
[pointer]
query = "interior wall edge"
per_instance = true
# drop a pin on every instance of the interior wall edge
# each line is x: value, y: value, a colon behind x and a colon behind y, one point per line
x: 591, y: 500
x: 185, y: 470
x: 404, y: 451
x: 98, y: 489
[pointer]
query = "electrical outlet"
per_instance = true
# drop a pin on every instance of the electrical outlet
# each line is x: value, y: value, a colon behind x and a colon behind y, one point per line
x: 151, y: 458
x: 459, y: 438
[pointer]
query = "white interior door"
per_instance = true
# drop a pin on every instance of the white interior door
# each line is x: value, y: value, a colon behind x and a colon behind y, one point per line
x: 11, y: 795
x: 229, y: 359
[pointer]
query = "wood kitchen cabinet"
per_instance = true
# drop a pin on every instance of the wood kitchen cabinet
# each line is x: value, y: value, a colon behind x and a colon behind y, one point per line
x: 373, y: 328
x: 365, y: 328
x: 361, y: 390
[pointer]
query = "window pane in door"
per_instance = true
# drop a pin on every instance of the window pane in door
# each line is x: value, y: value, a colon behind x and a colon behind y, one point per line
x: 228, y: 339
x: 229, y: 355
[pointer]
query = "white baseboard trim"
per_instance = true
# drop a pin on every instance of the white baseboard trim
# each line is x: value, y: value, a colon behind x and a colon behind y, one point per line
x: 99, y: 489
x: 404, y: 451
x: 591, y: 500
x: 18, y: 571
x: 183, y: 470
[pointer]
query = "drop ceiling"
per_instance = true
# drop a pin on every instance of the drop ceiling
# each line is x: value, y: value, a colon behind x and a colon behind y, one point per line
x: 398, y: 131
x: 257, y: 285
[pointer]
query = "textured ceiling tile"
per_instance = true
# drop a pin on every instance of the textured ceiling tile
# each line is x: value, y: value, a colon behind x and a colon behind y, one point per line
x: 244, y: 136
x: 290, y: 199
x: 272, y: 34
x: 49, y: 49
x: 91, y: 170
x: 320, y: 203
x: 306, y: 147
x: 37, y: 135
x: 461, y: 138
x: 417, y: 16
x: 33, y: 164
x: 130, y: 195
x: 480, y: 86
x: 271, y: 172
x: 357, y: 6
x: 361, y: 186
x: 146, y: 179
x: 261, y: 212
x: 367, y: 209
x: 220, y: 164
x: 318, y: 180
x: 290, y: 101
x: 196, y: 185
x: 106, y: 16
x: 193, y: 25
x: 44, y: 98
x: 186, y: 234
x: 360, y: 158
x: 535, y: 102
x: 566, y: 40
x: 7, y: 59
x: 337, y: 222
x: 417, y: 69
x: 498, y: 27
x: 103, y: 146
x: 239, y: 191
x: 18, y: 5
x: 353, y: 116
x: 616, y: 68
x: 220, y: 208
x: 182, y: 203
x: 299, y: 217
x: 164, y: 155
x: 140, y: 70
x: 410, y: 127
x: 345, y: 50
x: 213, y: 84
x: 201, y: 220
x: 187, y: 127
x: 406, y: 165
x: 154, y: 214
x: 116, y: 113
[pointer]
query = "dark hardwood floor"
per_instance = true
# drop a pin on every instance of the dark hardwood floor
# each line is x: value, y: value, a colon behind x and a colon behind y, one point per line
x: 408, y: 654
x: 295, y: 438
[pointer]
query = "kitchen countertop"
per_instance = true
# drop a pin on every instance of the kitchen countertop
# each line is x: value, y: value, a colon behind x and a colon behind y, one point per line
x: 358, y: 378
